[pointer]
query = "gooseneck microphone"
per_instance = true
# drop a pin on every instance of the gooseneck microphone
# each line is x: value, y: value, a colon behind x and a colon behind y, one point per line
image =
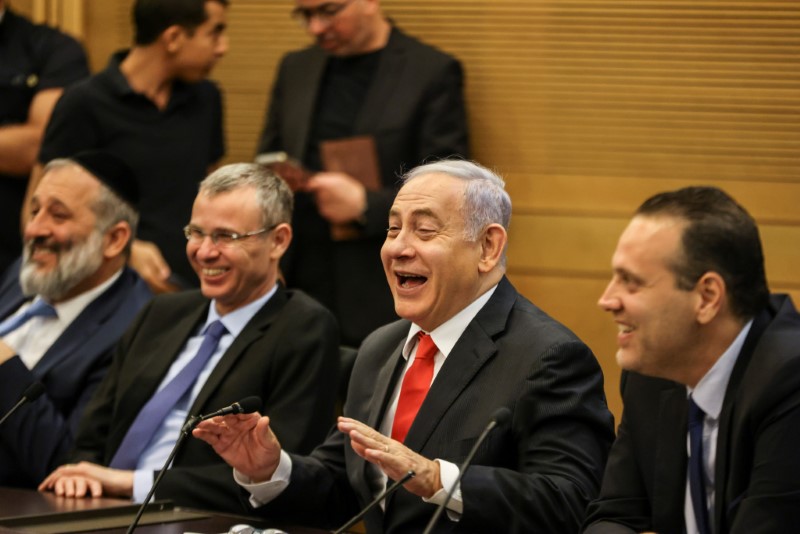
x: 246, y: 405
x: 388, y: 491
x: 500, y: 417
x: 31, y: 393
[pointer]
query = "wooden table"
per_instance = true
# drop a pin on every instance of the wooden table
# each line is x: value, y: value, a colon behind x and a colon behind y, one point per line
x: 29, y: 511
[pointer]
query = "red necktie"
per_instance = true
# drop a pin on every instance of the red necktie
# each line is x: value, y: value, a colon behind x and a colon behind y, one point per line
x: 415, y: 386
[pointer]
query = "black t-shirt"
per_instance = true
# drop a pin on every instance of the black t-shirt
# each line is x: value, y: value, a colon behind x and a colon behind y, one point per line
x: 32, y: 58
x: 343, y: 90
x: 169, y: 150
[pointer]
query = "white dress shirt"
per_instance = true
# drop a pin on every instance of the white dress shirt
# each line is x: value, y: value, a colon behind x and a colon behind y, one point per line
x: 34, y: 338
x: 444, y: 337
x: 709, y: 394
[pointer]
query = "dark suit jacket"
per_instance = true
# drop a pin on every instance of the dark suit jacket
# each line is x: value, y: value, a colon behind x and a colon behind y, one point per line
x: 537, y: 475
x: 415, y: 110
x: 287, y: 355
x: 757, y: 464
x: 34, y: 441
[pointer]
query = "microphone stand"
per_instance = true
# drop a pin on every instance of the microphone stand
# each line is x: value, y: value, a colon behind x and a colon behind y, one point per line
x: 185, y: 431
x: 440, y: 509
x: 388, y: 491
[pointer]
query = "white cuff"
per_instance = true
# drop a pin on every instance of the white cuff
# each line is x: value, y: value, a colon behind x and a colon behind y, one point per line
x: 263, y: 492
x: 448, y: 473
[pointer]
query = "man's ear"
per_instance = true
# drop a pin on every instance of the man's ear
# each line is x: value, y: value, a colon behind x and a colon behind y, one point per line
x: 493, y: 241
x: 712, y: 296
x: 173, y: 38
x: 281, y: 237
x: 116, y: 239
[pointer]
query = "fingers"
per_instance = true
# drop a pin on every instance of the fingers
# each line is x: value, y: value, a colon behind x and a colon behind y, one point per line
x: 148, y: 261
x: 77, y: 487
x: 393, y: 458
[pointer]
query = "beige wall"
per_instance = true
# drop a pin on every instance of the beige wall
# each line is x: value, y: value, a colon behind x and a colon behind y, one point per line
x: 587, y: 108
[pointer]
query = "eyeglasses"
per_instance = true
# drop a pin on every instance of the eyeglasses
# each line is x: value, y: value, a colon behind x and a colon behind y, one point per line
x: 324, y: 13
x: 218, y: 237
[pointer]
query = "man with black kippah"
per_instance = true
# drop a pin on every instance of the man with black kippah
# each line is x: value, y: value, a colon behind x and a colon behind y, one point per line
x: 64, y: 305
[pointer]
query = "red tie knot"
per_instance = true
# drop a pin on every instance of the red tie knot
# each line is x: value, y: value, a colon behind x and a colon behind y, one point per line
x: 426, y: 348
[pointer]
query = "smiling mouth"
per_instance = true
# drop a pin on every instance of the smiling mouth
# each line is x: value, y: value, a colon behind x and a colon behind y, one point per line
x: 624, y: 329
x: 410, y: 281
x: 213, y: 272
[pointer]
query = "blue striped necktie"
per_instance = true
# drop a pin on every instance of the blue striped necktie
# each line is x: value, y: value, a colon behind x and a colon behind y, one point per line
x: 697, y: 486
x: 39, y: 308
x: 153, y: 413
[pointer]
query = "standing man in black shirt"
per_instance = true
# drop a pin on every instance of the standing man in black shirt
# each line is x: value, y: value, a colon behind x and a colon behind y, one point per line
x: 154, y: 108
x: 362, y: 76
x: 36, y: 63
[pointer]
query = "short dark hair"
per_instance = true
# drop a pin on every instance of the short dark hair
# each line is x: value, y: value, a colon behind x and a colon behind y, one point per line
x: 152, y: 17
x: 721, y: 237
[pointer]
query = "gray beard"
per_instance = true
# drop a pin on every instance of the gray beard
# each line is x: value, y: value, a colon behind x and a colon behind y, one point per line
x: 76, y: 262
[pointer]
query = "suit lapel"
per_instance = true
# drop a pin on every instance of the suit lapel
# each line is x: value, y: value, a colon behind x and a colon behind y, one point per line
x: 384, y: 385
x: 302, y: 103
x: 12, y: 297
x: 253, y: 331
x: 164, y: 348
x: 724, y: 436
x: 391, y: 69
x: 670, y: 460
x: 82, y: 331
x: 470, y: 353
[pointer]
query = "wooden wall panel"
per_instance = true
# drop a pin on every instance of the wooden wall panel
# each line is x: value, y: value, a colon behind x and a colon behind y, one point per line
x: 587, y: 107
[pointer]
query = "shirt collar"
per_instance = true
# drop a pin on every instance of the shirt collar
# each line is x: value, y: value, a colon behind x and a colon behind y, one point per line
x: 68, y: 310
x: 180, y: 92
x: 236, y: 320
x: 448, y: 333
x: 709, y: 393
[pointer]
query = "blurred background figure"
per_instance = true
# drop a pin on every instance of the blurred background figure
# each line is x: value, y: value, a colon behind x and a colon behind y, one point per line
x: 362, y: 77
x: 153, y: 107
x: 36, y: 63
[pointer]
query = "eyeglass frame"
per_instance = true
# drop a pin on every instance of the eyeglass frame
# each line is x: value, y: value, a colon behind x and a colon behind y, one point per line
x: 324, y: 13
x: 215, y: 236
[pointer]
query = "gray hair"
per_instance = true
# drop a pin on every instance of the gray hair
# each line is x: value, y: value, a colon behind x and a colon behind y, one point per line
x: 272, y: 194
x: 109, y: 208
x: 485, y: 199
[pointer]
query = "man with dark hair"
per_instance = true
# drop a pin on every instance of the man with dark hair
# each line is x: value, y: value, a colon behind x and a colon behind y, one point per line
x: 194, y: 352
x: 362, y: 77
x: 153, y: 107
x: 423, y: 389
x: 152, y: 17
x: 63, y: 306
x: 711, y: 366
x: 36, y: 63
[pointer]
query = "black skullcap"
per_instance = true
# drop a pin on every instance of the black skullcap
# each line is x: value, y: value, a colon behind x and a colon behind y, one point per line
x: 112, y: 171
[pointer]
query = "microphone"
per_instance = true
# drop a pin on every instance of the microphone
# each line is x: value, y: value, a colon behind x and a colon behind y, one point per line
x: 246, y: 405
x: 388, y: 491
x: 500, y: 417
x: 31, y: 393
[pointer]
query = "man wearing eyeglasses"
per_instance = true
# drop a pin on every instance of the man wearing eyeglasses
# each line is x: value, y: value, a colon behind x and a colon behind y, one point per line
x: 194, y: 352
x: 362, y: 77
